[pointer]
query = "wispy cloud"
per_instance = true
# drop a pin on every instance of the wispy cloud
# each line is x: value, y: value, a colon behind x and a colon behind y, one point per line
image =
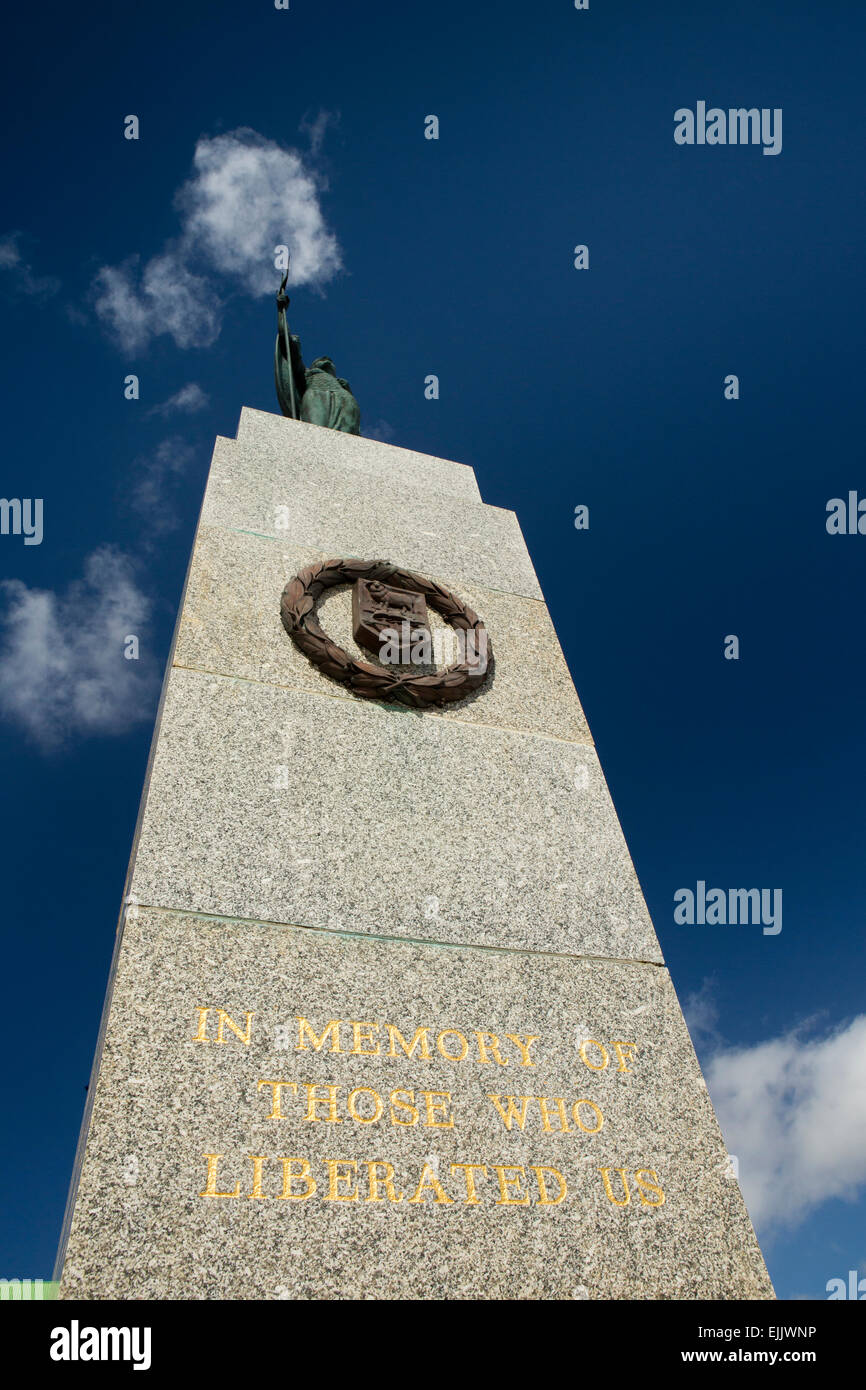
x: 154, y: 475
x: 62, y: 664
x: 793, y: 1110
x: 186, y: 401
x: 18, y: 275
x: 136, y: 304
x: 382, y: 430
x: 246, y: 196
x: 701, y: 1013
x: 316, y: 127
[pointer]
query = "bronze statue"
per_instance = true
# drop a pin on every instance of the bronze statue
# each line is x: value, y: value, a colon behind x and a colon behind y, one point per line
x: 315, y: 394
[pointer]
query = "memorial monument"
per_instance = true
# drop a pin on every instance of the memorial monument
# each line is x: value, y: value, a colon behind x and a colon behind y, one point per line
x: 387, y: 1016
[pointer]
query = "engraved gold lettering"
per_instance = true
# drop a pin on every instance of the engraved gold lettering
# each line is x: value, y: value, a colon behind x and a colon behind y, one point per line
x: 258, y: 1160
x: 387, y: 1182
x: 440, y: 1105
x: 377, y: 1102
x: 489, y: 1043
x: 420, y: 1037
x: 451, y: 1056
x: 587, y: 1129
x: 559, y: 1104
x: 620, y: 1046
x: 358, y: 1038
x: 469, y: 1170
x: 430, y: 1183
x: 330, y: 1100
x: 201, y: 1035
x: 223, y: 1022
x: 332, y: 1031
x: 523, y: 1047
x: 505, y: 1198
x: 591, y: 1042
x: 335, y: 1177
x: 276, y: 1112
x: 403, y: 1105
x: 641, y: 1179
x: 609, y: 1190
x: 512, y: 1113
x: 305, y: 1175
x: 544, y: 1198
x: 210, y: 1186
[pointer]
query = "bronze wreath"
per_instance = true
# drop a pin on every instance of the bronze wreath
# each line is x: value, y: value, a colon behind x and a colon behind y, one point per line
x: 362, y: 678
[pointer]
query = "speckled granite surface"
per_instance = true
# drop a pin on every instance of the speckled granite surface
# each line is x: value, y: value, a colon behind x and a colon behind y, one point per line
x: 388, y: 1017
x: 615, y: 1186
x: 293, y: 807
x: 231, y: 625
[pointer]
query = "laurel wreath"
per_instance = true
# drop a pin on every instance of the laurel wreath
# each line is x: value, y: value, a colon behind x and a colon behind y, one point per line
x: 377, y: 682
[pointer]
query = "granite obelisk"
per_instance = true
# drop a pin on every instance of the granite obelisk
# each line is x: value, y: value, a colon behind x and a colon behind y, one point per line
x: 387, y: 1016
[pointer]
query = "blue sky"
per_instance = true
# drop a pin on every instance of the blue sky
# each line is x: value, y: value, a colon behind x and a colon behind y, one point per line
x: 561, y: 387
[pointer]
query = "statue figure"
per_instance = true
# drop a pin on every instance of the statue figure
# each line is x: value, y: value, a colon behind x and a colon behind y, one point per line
x: 328, y: 399
x: 315, y: 394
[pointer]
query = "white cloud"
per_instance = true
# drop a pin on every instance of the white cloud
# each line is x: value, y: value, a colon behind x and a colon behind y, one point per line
x: 793, y: 1110
x: 186, y: 401
x: 182, y: 303
x: 21, y: 278
x: 165, y: 297
x: 247, y: 196
x: 62, y: 667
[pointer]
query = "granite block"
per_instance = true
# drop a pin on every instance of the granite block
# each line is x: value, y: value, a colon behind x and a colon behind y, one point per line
x: 324, y: 505
x: 406, y: 1152
x: 289, y: 807
x: 231, y: 625
x: 276, y: 440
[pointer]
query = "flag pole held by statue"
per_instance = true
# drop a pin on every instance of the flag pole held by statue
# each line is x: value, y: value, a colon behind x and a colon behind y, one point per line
x: 283, y: 302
